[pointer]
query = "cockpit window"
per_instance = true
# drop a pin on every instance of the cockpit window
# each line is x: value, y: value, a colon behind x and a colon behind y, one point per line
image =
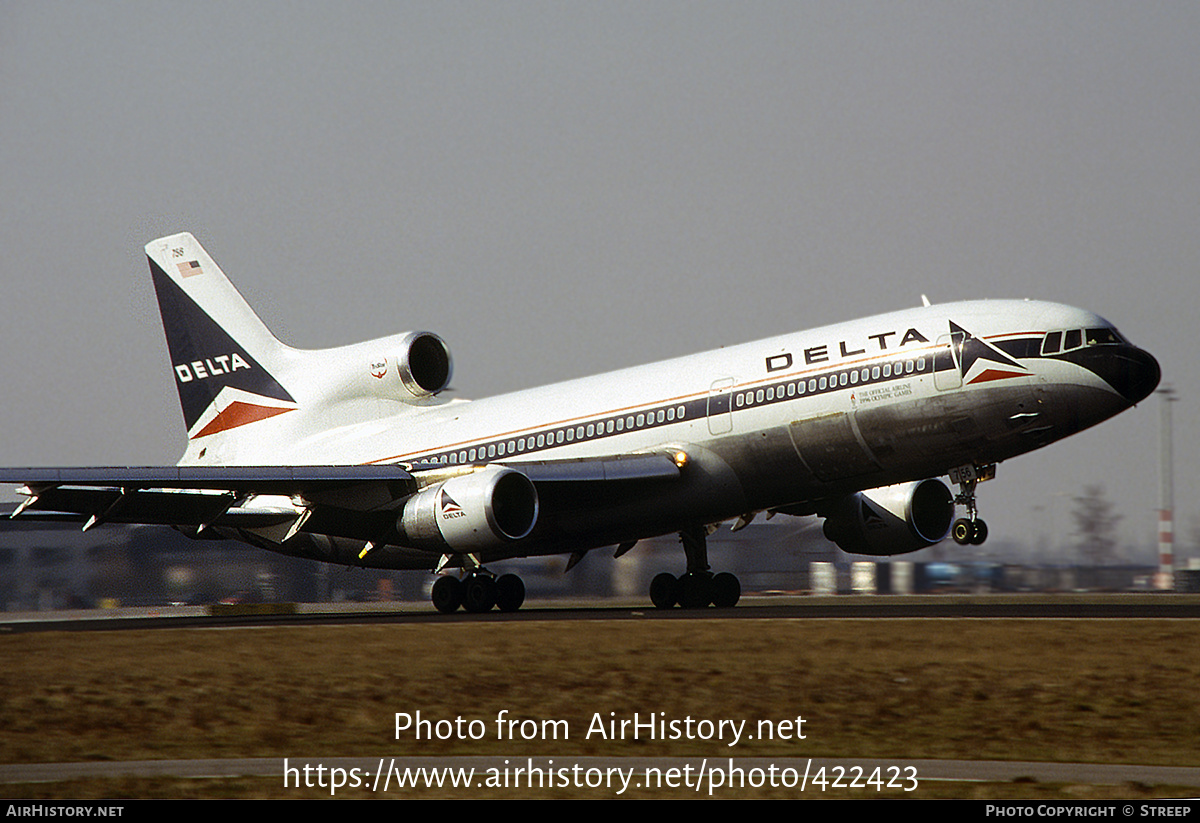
x: 1103, y: 337
x: 1065, y: 341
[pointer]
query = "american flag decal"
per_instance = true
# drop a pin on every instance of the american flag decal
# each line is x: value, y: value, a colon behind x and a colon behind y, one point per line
x: 190, y: 269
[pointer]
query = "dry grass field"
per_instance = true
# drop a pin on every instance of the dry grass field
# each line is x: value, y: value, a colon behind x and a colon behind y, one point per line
x: 1119, y: 691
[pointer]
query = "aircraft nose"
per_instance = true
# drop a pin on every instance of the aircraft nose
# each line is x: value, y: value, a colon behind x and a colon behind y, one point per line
x: 1134, y: 373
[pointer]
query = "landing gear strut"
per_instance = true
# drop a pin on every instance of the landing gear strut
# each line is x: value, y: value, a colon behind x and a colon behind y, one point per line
x: 698, y: 587
x: 478, y: 592
x: 970, y: 530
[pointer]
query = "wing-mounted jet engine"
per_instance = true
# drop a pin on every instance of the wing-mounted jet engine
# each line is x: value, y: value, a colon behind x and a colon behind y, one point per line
x: 891, y: 520
x: 465, y: 515
x: 470, y: 512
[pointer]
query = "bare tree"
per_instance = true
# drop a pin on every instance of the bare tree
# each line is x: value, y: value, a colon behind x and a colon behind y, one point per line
x: 1095, y: 525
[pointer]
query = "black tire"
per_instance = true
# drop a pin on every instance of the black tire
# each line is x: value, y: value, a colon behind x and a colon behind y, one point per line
x: 510, y: 593
x: 979, y: 534
x: 962, y: 530
x: 695, y: 590
x: 726, y: 590
x: 447, y: 594
x: 480, y: 593
x: 664, y: 591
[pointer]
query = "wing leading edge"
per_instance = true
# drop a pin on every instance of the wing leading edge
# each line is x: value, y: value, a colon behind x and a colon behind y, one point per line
x: 359, y: 502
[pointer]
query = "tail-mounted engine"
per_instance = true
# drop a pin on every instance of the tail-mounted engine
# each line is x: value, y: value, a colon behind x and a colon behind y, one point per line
x: 489, y: 507
x: 891, y: 520
x: 420, y: 366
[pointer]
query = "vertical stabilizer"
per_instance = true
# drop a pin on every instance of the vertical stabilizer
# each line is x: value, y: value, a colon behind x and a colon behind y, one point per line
x: 223, y: 358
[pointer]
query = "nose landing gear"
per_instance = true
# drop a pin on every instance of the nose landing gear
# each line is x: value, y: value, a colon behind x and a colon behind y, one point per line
x: 970, y: 530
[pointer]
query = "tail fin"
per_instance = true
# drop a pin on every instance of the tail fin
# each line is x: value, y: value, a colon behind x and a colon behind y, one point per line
x: 222, y: 355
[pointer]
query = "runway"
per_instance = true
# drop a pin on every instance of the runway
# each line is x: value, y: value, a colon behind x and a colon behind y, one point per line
x: 878, y: 607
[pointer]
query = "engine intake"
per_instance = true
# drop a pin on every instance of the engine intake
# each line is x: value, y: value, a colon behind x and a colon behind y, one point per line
x: 475, y: 511
x: 424, y: 363
x: 891, y: 520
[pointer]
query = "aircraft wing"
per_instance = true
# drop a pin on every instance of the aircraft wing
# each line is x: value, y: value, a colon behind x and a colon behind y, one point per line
x: 358, y: 502
x: 202, y: 496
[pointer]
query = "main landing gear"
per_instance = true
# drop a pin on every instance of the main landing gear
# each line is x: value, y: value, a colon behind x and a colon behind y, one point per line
x: 698, y: 587
x: 478, y: 592
x: 970, y: 530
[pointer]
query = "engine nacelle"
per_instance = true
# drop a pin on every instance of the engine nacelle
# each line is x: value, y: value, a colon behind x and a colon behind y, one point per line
x: 422, y: 365
x: 474, y: 511
x: 893, y: 519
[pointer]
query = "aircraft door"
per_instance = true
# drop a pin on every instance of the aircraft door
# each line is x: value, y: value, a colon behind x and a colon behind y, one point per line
x: 720, y: 409
x: 947, y: 361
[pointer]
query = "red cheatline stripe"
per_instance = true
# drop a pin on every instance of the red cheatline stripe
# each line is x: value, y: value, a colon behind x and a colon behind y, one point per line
x: 987, y: 375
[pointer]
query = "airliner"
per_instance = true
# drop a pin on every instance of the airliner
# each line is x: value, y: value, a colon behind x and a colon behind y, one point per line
x: 357, y: 455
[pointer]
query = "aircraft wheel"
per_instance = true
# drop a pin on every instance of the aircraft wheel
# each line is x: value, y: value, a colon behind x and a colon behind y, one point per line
x: 726, y: 590
x: 979, y: 533
x: 962, y: 530
x: 447, y: 594
x: 695, y: 590
x: 664, y: 591
x: 510, y: 593
x: 480, y: 593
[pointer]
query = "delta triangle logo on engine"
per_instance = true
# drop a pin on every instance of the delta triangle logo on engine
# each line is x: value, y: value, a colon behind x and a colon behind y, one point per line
x: 449, y: 508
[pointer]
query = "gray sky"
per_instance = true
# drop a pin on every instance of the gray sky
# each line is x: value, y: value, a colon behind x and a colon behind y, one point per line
x: 564, y: 188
